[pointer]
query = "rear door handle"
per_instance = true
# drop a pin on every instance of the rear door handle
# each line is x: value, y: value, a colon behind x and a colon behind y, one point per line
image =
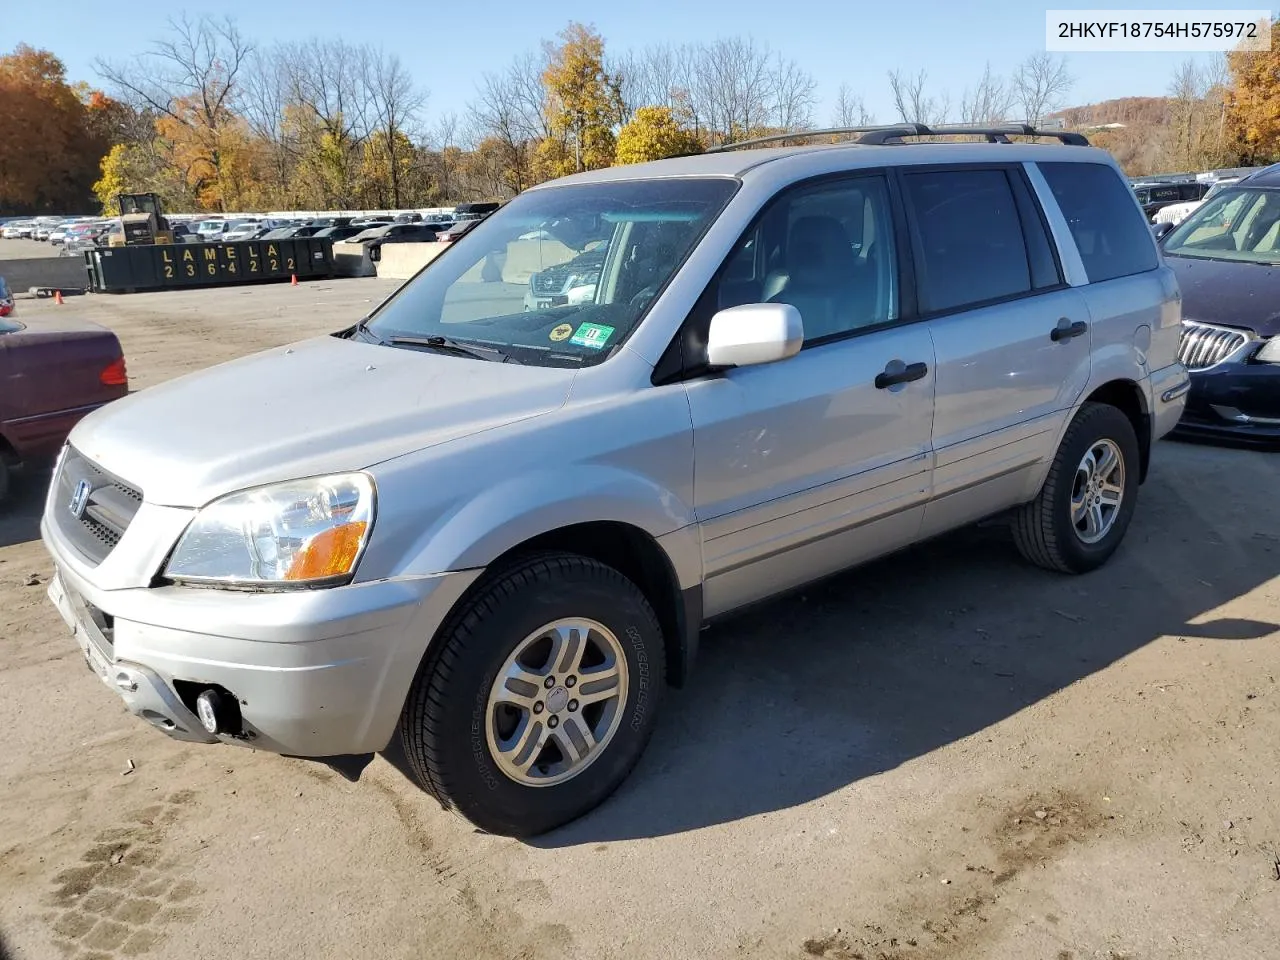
x: 1066, y: 330
x: 898, y: 372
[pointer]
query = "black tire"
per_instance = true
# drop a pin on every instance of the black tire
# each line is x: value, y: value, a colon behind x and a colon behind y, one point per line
x: 442, y: 726
x: 1042, y: 529
x: 5, y: 474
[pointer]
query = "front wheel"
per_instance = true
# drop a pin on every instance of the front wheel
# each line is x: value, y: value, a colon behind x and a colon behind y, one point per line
x: 1088, y: 498
x: 538, y: 697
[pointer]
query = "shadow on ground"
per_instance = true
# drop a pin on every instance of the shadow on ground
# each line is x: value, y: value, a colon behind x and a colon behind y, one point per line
x: 20, y: 511
x: 894, y: 660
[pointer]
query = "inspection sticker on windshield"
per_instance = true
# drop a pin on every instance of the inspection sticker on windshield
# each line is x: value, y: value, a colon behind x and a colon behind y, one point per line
x: 593, y: 335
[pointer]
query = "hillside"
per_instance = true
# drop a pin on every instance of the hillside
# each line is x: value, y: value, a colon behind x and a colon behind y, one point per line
x: 1131, y: 111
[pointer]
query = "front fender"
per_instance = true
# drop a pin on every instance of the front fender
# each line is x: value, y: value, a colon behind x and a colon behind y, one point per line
x: 506, y: 514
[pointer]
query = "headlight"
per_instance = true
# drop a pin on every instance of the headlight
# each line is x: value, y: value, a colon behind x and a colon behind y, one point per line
x: 1270, y: 352
x: 302, y: 532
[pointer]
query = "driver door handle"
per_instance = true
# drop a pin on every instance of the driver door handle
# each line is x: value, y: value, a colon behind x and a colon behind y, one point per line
x: 896, y: 372
x: 1066, y: 330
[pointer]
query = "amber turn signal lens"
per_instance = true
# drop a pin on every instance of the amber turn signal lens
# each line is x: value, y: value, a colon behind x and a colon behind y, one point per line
x: 328, y: 554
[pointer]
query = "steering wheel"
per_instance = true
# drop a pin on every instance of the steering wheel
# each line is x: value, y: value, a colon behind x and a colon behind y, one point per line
x: 643, y: 295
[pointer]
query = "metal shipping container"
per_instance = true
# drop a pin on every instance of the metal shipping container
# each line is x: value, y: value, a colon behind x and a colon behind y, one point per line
x: 168, y: 266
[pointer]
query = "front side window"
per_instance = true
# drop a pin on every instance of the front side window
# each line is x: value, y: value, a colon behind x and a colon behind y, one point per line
x: 1109, y: 231
x: 559, y: 276
x: 1237, y: 224
x: 969, y: 241
x: 826, y: 249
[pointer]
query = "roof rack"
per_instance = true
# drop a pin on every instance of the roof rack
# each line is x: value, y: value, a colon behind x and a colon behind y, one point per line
x: 894, y: 132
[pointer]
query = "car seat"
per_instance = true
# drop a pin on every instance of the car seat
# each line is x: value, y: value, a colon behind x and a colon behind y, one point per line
x: 819, y: 278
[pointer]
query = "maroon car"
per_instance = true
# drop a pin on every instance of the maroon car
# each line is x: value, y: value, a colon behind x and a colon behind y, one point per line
x: 52, y: 373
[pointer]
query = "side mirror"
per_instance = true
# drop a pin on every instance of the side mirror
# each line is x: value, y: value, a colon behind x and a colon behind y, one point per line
x: 1162, y: 229
x: 754, y: 333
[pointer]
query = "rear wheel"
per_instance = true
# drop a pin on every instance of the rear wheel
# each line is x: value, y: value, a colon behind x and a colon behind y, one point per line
x: 5, y: 474
x: 538, y: 697
x: 1088, y: 498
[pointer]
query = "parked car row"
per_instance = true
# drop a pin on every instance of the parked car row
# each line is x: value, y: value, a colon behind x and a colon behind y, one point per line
x: 76, y: 234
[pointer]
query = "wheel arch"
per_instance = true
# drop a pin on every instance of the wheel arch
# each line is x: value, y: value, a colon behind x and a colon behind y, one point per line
x: 619, y: 518
x: 642, y: 559
x: 1127, y: 397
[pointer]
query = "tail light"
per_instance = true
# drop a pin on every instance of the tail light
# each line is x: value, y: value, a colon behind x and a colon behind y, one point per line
x: 115, y: 374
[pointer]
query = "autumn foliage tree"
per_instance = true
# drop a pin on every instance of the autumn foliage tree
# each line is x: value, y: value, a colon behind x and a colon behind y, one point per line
x: 584, y: 103
x: 653, y: 134
x: 1253, y: 101
x: 54, y: 138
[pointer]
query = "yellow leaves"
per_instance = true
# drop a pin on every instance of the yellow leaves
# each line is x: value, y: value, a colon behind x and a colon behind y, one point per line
x: 1253, y: 103
x: 654, y: 133
x: 114, y: 178
x: 584, y: 102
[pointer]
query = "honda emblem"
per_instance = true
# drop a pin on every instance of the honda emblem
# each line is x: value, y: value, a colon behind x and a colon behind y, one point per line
x: 80, y: 499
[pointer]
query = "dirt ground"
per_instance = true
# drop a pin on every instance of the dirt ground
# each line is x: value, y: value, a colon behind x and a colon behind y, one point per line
x: 947, y: 754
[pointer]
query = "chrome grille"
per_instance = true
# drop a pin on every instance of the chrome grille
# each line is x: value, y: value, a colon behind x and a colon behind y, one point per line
x: 1204, y: 345
x: 107, y: 512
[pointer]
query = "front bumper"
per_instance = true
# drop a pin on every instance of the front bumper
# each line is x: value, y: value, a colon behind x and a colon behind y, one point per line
x: 316, y: 673
x: 1234, y: 401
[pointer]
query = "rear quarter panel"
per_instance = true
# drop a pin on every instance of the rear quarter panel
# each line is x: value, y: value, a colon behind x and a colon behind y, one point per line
x: 51, y: 378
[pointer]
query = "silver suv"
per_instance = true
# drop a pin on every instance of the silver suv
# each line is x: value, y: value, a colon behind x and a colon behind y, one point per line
x: 494, y: 527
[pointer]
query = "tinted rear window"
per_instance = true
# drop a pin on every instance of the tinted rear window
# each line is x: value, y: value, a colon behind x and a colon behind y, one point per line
x: 970, y: 243
x: 1113, y: 238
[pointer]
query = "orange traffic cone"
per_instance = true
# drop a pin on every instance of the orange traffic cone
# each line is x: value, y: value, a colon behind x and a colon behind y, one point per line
x: 57, y: 297
x: 293, y: 280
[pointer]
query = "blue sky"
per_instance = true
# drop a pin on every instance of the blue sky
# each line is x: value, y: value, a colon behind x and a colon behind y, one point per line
x: 448, y: 45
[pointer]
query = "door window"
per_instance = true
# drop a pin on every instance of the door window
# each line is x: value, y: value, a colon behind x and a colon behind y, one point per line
x: 969, y: 241
x: 1113, y: 238
x: 828, y: 250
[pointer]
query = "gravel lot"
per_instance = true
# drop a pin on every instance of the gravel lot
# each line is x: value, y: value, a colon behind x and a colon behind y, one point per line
x: 27, y: 249
x: 947, y: 754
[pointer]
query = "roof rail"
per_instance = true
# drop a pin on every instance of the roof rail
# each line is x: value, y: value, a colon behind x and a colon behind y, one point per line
x: 894, y: 132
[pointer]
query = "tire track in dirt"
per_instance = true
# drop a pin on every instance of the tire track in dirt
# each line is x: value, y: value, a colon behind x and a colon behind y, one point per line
x: 125, y: 894
x: 491, y: 931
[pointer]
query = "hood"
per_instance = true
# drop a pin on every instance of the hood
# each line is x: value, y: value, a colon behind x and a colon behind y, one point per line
x: 320, y: 406
x: 1231, y: 294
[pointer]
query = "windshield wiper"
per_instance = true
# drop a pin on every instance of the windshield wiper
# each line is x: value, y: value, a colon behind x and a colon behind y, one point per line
x: 447, y: 345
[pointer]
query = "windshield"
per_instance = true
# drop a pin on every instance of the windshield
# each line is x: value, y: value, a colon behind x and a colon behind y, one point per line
x: 1217, y: 188
x: 1239, y: 224
x: 559, y: 276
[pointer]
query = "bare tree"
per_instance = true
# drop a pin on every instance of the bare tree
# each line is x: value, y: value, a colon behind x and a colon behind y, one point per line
x: 445, y: 139
x: 1195, y: 135
x: 912, y: 101
x: 850, y: 110
x: 650, y: 77
x: 793, y: 95
x: 192, y: 78
x: 503, y: 114
x: 1040, y: 84
x: 394, y: 104
x: 263, y: 100
x: 990, y: 101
